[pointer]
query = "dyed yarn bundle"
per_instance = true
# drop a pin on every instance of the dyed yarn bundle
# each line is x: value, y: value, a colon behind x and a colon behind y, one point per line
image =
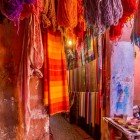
x: 13, y: 8
x: 67, y: 13
x: 102, y: 14
x: 129, y: 8
x: 111, y: 11
x: 49, y: 15
x: 79, y: 30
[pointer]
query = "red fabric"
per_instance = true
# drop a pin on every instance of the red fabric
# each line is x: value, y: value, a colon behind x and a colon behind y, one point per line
x: 67, y: 13
x: 129, y: 8
x: 56, y: 95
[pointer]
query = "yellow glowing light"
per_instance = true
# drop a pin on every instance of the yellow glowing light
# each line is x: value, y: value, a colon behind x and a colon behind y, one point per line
x: 69, y: 42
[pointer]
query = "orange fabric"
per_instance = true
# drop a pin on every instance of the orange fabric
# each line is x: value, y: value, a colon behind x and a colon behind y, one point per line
x: 55, y: 79
x: 67, y: 13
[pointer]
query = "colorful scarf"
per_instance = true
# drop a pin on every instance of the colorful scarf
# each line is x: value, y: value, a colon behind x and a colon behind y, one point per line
x: 55, y: 78
x: 129, y: 8
x: 67, y: 13
x: 135, y: 37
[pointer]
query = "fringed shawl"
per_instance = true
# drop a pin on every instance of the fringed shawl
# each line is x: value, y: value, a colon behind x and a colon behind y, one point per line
x: 129, y: 8
x: 135, y: 37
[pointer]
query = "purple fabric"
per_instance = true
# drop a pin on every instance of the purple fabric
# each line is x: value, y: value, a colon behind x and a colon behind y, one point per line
x: 29, y: 1
x: 13, y: 8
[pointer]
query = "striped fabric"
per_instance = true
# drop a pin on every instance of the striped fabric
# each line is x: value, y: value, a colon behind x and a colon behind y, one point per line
x: 55, y: 76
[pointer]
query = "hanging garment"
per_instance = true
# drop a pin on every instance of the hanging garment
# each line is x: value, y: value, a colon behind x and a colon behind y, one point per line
x: 55, y: 79
x: 135, y: 37
x: 32, y: 58
x: 129, y: 8
x: 36, y: 53
x: 67, y: 13
x: 48, y: 14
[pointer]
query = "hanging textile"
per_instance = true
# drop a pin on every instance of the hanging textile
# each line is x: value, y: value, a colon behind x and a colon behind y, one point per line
x: 55, y: 79
x: 111, y: 11
x: 13, y: 8
x: 67, y: 13
x: 31, y: 60
x: 48, y: 14
x: 36, y: 46
x: 79, y: 30
x: 135, y: 37
x: 102, y: 14
x: 129, y: 8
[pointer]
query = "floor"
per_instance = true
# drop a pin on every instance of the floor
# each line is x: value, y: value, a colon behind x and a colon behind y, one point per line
x: 61, y: 129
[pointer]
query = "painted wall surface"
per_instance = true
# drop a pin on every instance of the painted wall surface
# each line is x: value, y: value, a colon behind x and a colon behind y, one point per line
x: 126, y: 37
x: 122, y: 78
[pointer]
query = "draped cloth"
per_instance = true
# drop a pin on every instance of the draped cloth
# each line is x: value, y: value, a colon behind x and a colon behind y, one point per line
x: 102, y: 14
x: 67, y: 13
x: 135, y: 37
x: 49, y: 15
x: 129, y: 8
x: 32, y: 58
x: 13, y: 8
x: 55, y: 79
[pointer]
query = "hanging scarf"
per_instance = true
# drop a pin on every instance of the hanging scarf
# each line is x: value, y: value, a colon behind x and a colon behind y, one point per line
x: 55, y: 77
x: 129, y: 8
x: 135, y: 37
x: 67, y: 13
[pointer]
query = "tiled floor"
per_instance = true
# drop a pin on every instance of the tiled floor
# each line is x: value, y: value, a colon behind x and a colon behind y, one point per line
x: 63, y: 130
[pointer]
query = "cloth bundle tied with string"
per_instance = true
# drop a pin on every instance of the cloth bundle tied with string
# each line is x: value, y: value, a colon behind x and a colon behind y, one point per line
x: 129, y: 8
x: 102, y: 14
